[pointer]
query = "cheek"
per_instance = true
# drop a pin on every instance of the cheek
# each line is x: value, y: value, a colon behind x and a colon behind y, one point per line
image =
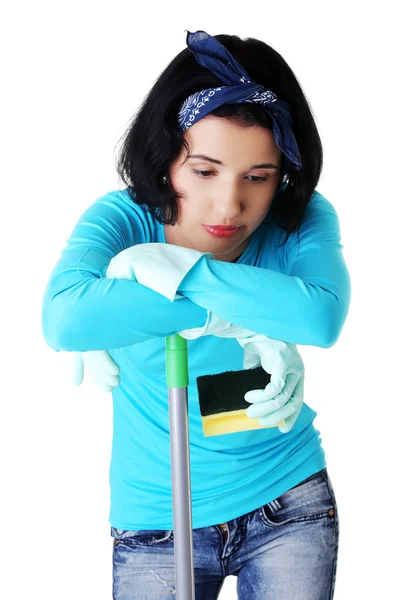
x: 191, y: 210
x: 192, y: 205
x: 257, y: 213
x: 187, y: 210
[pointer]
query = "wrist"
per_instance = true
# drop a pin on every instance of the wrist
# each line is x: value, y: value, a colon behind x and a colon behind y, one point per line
x: 192, y: 334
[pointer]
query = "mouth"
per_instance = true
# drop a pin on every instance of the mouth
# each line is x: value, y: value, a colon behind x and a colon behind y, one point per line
x: 218, y: 231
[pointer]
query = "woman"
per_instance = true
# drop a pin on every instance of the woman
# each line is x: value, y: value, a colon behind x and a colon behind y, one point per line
x: 224, y: 138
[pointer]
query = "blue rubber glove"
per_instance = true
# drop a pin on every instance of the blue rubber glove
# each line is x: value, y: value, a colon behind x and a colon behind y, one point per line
x: 214, y: 326
x: 101, y: 367
x: 160, y: 267
x: 283, y: 396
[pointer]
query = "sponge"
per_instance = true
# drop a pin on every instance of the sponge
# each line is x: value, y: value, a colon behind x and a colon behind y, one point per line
x: 222, y: 404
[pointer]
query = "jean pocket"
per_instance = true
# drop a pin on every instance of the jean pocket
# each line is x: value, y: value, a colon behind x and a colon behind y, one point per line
x: 141, y: 537
x: 310, y: 500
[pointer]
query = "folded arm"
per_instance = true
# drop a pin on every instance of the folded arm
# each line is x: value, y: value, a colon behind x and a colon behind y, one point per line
x: 306, y: 305
x: 83, y: 310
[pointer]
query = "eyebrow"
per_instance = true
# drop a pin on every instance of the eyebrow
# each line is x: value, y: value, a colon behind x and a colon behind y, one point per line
x: 219, y: 162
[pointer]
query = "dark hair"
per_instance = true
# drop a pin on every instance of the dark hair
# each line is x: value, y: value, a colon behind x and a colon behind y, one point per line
x: 153, y: 141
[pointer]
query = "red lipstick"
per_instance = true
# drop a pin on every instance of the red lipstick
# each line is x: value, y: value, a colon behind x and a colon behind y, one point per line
x: 221, y: 230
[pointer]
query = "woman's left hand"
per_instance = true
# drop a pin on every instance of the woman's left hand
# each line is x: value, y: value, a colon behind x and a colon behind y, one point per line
x: 286, y: 406
x: 282, y: 398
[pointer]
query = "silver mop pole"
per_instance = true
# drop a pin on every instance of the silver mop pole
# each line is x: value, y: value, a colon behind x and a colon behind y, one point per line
x: 177, y: 381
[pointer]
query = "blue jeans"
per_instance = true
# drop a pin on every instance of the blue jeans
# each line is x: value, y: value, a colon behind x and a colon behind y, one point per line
x: 285, y: 549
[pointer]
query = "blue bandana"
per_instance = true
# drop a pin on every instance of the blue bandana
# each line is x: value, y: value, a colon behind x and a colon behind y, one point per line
x: 240, y: 88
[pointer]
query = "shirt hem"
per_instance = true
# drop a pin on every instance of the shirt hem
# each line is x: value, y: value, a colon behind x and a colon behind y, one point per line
x: 311, y: 466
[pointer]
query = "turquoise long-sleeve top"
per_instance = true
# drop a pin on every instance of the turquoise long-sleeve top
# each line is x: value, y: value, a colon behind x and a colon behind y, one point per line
x: 299, y: 293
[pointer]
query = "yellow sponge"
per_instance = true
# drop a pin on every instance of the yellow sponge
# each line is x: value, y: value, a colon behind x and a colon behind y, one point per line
x: 231, y: 422
x: 222, y: 404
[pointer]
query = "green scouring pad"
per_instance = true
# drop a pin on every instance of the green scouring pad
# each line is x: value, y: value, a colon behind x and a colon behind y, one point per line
x: 222, y: 404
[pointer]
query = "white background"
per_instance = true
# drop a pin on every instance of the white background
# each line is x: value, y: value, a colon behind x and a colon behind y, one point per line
x: 73, y: 75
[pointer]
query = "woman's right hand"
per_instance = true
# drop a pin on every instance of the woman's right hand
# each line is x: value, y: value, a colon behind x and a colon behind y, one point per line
x: 99, y: 365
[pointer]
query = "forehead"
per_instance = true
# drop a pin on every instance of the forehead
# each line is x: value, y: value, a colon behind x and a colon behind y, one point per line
x: 221, y: 137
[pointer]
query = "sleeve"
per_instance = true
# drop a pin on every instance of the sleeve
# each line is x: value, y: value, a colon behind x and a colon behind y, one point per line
x: 84, y: 310
x: 307, y: 304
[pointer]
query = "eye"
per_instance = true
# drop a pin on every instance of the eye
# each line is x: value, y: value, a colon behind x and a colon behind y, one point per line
x: 204, y: 175
x: 258, y: 179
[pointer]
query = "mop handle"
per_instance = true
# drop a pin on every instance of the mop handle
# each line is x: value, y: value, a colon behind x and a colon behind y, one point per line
x: 176, y: 358
x: 176, y: 355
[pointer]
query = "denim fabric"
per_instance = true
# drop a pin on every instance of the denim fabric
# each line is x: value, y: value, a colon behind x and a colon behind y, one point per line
x: 285, y: 549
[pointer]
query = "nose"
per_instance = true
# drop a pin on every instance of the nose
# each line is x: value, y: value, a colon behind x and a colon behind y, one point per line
x: 228, y: 205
